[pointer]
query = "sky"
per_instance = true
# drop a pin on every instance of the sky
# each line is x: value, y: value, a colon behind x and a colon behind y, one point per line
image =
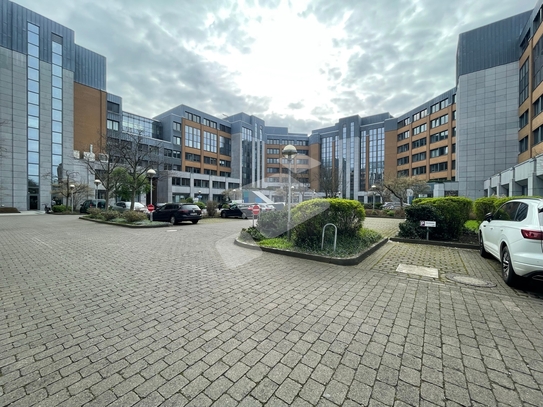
x: 301, y: 64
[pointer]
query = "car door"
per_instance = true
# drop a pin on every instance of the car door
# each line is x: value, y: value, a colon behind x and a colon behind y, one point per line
x: 500, y: 226
x: 163, y: 213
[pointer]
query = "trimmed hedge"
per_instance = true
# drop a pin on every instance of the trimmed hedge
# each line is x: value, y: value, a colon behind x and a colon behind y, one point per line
x: 411, y: 229
x: 310, y: 217
x: 453, y: 213
x: 489, y: 204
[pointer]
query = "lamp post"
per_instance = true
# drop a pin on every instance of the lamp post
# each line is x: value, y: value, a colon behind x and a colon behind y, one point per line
x: 234, y: 191
x: 289, y: 152
x: 373, y: 196
x: 150, y: 174
x: 96, y: 183
x: 72, y: 187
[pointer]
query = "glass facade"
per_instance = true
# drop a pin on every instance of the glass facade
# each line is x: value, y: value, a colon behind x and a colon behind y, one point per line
x: 376, y: 155
x: 246, y: 155
x: 141, y: 126
x: 56, y: 106
x: 33, y: 116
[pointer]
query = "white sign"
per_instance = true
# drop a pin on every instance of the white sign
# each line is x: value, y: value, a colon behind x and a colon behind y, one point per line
x: 428, y: 223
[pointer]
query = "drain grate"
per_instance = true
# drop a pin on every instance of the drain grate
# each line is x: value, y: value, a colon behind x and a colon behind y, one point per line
x: 476, y: 282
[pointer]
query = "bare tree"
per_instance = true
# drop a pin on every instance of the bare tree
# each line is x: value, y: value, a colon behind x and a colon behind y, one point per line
x: 399, y: 186
x: 329, y: 180
x: 61, y: 186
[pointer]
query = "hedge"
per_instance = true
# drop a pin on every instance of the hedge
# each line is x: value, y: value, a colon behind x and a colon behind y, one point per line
x: 489, y: 204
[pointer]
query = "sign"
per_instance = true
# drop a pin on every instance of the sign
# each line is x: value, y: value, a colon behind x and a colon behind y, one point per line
x: 428, y: 223
x: 256, y: 210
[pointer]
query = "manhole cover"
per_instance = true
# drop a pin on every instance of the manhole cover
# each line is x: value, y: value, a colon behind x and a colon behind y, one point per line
x: 476, y: 282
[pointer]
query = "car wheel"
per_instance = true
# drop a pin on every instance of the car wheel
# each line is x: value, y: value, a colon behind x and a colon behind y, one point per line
x: 223, y: 215
x: 482, y: 250
x: 195, y: 222
x: 508, y: 273
x: 172, y: 220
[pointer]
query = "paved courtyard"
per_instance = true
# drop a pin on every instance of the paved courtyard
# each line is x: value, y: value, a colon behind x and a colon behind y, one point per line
x: 99, y: 315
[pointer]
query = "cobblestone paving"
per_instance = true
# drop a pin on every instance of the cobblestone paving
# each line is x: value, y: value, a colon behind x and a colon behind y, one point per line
x: 98, y: 315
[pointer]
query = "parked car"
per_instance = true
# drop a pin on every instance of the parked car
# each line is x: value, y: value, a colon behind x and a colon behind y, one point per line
x: 393, y: 205
x: 513, y: 234
x: 125, y: 206
x: 236, y: 211
x: 264, y: 207
x: 92, y: 203
x: 177, y: 212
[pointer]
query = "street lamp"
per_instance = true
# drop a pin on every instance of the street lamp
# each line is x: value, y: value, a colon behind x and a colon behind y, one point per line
x: 72, y: 187
x: 150, y: 174
x: 234, y: 191
x: 289, y: 152
x: 96, y: 183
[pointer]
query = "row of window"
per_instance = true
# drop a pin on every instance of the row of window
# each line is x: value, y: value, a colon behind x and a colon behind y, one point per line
x: 420, y: 129
x: 439, y: 121
x: 523, y: 82
x: 403, y: 135
x: 291, y: 142
x: 417, y: 116
x: 439, y: 105
x: 433, y: 168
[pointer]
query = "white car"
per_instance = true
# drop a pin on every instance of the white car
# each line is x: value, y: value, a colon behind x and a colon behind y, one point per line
x: 513, y: 235
x: 125, y: 206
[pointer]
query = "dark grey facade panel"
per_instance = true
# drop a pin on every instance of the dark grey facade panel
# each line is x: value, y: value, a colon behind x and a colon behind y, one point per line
x: 391, y: 125
x: 529, y: 22
x: 90, y: 68
x: 13, y: 20
x: 376, y: 118
x: 115, y: 99
x: 491, y: 45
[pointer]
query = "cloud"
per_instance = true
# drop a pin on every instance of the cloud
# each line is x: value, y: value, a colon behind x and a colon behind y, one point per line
x: 298, y: 64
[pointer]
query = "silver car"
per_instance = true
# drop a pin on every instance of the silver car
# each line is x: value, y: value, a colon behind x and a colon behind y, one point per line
x: 513, y: 234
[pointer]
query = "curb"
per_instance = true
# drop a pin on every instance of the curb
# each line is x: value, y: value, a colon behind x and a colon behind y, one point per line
x: 349, y: 261
x: 435, y: 243
x: 126, y: 225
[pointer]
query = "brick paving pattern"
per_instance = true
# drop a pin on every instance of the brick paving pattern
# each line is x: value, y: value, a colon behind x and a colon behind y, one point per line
x: 98, y: 315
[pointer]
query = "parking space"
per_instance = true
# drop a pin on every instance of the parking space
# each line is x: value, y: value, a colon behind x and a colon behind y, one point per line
x: 93, y: 314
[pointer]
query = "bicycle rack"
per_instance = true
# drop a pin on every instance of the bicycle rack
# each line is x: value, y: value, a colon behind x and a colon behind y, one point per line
x: 335, y: 235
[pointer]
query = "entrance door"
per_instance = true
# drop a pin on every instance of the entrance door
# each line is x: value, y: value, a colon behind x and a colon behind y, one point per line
x: 33, y: 202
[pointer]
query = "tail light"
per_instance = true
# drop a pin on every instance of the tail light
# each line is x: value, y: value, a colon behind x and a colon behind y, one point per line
x: 532, y: 234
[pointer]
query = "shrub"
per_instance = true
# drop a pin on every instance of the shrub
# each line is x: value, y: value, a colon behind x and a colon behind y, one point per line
x: 251, y: 234
x: 211, y: 207
x: 110, y: 215
x: 200, y: 204
x: 310, y: 217
x: 411, y: 228
x: 133, y: 216
x: 485, y: 205
x: 273, y: 223
x: 95, y: 213
x: 59, y: 208
x: 455, y: 211
x: 189, y: 200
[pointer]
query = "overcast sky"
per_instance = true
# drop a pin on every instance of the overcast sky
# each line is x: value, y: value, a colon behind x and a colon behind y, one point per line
x: 300, y: 64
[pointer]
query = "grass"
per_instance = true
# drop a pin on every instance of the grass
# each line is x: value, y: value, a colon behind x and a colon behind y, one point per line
x: 347, y: 246
x: 472, y: 225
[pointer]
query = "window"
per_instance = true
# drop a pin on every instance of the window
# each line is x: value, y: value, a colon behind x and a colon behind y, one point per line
x: 439, y: 136
x: 192, y: 157
x: 439, y: 121
x: 523, y: 80
x: 512, y: 211
x: 176, y: 126
x: 403, y: 173
x: 538, y: 106
x: 420, y: 115
x: 177, y: 140
x: 419, y: 129
x: 113, y: 107
x: 219, y: 184
x: 210, y: 142
x: 538, y: 135
x: 192, y: 137
x: 438, y: 167
x: 176, y: 181
x: 439, y: 152
x: 419, y: 143
x: 210, y: 160
x: 454, y: 115
x: 193, y: 170
x: 201, y: 183
x: 192, y: 117
x: 210, y: 123
x: 112, y: 125
x: 404, y: 122
x: 403, y: 160
x: 273, y: 170
x: 523, y: 119
x: 176, y: 154
x: 523, y: 145
x: 419, y: 157
x: 225, y: 146
x: 210, y: 172
x: 419, y: 170
x: 272, y: 151
x: 303, y: 152
x: 272, y: 160
x: 167, y: 152
x: 403, y: 135
x: 224, y: 163
x: 303, y: 162
x: 403, y: 148
x: 185, y: 182
x: 225, y: 174
x: 440, y: 105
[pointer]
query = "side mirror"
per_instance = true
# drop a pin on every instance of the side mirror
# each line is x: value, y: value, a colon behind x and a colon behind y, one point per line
x: 488, y: 217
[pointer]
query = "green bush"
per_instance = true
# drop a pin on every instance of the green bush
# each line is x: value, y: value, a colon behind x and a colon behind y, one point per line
x: 200, y: 204
x: 273, y: 223
x: 310, y: 217
x: 95, y: 213
x: 454, y: 210
x: 211, y: 207
x: 485, y: 205
x: 411, y: 229
x: 251, y: 234
x: 60, y: 208
x: 110, y: 215
x: 189, y: 200
x: 133, y: 216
